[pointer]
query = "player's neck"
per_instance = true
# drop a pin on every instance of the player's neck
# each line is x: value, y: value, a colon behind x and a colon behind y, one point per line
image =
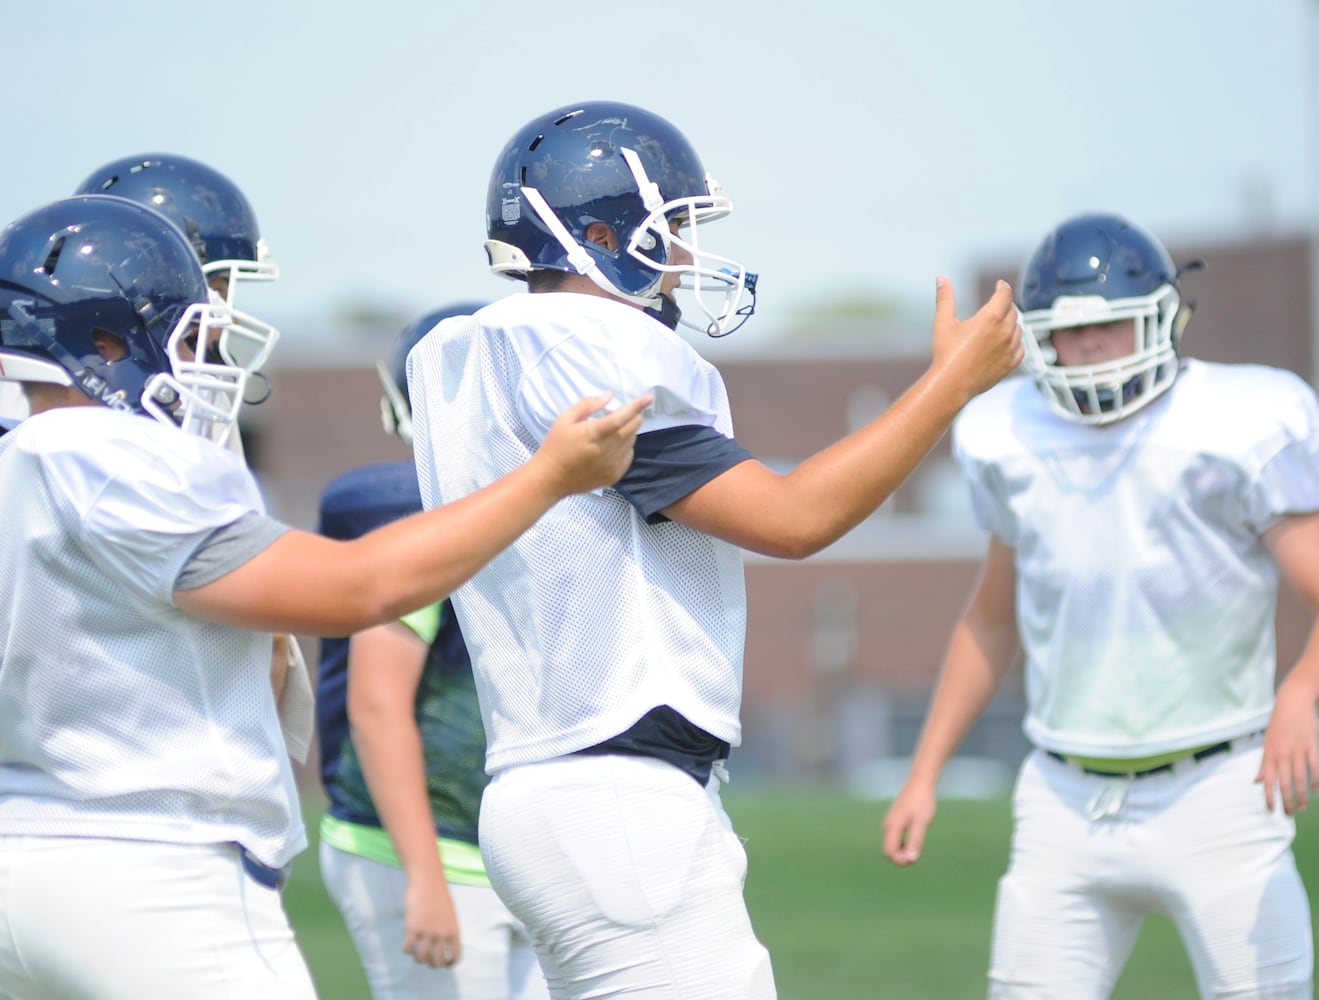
x: 42, y: 396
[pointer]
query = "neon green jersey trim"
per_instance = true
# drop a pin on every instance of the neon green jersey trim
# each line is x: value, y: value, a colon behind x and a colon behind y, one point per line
x: 1126, y: 765
x: 462, y: 861
x: 425, y: 622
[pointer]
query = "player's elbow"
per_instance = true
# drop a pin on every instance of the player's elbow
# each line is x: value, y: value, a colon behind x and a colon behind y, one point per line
x: 370, y: 716
x: 798, y: 520
x: 792, y: 548
x: 797, y: 541
x: 370, y: 608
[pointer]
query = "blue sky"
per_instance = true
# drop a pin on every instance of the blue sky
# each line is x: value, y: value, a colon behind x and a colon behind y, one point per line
x: 867, y: 145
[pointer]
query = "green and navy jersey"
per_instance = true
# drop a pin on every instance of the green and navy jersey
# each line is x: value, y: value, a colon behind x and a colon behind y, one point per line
x: 447, y: 713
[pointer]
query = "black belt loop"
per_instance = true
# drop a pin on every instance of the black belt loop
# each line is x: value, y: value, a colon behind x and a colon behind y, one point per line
x: 1198, y: 756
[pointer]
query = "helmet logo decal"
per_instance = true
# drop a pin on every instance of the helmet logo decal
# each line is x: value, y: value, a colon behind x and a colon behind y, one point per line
x: 99, y: 389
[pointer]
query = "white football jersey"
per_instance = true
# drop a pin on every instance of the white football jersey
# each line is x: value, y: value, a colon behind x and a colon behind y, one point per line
x: 13, y: 405
x: 121, y: 716
x: 592, y: 617
x: 1145, y: 592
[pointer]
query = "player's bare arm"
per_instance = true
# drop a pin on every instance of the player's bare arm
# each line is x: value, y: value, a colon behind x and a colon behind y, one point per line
x: 1290, y: 769
x: 307, y: 583
x: 798, y: 514
x: 984, y: 647
x: 385, y: 665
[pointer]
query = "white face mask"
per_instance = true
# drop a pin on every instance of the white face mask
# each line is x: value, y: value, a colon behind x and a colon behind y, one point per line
x: 247, y: 342
x: 1111, y: 390
x: 714, y: 283
x: 202, y: 397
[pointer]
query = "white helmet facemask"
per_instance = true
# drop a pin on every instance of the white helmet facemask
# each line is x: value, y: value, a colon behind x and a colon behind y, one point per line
x: 247, y: 342
x: 202, y: 397
x: 715, y: 283
x: 1108, y: 391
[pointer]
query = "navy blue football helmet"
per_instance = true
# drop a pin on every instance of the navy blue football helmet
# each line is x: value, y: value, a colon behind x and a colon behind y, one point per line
x: 621, y: 165
x: 1093, y: 269
x: 396, y: 403
x: 104, y: 294
x: 218, y: 221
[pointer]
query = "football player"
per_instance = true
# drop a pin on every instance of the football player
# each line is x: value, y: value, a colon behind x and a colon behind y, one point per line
x: 402, y: 762
x: 1141, y: 507
x: 147, y: 805
x: 608, y: 643
x: 221, y: 226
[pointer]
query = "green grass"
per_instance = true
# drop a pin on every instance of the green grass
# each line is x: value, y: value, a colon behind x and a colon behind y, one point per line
x: 840, y: 921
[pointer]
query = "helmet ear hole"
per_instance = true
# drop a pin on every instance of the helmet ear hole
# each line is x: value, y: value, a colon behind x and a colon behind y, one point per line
x: 602, y: 234
x: 110, y: 346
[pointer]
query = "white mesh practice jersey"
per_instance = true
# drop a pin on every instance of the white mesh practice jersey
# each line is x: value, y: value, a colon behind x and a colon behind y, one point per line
x: 1145, y: 592
x: 120, y: 716
x: 13, y: 405
x: 594, y: 616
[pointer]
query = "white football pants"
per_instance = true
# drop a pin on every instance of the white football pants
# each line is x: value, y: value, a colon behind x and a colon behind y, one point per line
x: 498, y: 961
x: 84, y: 918
x: 1092, y: 855
x: 629, y: 877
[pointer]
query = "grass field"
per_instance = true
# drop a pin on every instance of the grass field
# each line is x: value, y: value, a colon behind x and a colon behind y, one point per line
x: 839, y: 920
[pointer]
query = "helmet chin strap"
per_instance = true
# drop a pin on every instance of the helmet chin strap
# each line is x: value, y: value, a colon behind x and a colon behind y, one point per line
x: 395, y: 413
x: 651, y: 199
x: 582, y: 262
x: 667, y: 312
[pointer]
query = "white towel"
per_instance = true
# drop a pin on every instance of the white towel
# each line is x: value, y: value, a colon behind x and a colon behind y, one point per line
x: 297, y: 705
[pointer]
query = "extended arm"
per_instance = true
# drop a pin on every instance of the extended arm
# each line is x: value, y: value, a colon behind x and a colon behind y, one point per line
x: 385, y: 664
x: 305, y: 583
x: 985, y: 645
x: 802, y: 512
x: 1291, y: 741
